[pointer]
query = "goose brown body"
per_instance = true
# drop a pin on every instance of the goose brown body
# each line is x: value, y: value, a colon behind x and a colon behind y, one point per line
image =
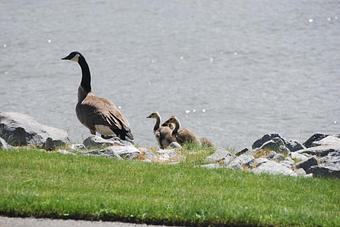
x: 96, y: 113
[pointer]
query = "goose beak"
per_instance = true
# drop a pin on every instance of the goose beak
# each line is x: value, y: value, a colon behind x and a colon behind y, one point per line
x: 65, y: 58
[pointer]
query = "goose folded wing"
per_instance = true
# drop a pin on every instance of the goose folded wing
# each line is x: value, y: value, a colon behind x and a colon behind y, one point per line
x: 108, y: 114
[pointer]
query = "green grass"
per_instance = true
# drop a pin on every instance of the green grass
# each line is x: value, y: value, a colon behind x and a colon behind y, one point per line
x: 40, y: 184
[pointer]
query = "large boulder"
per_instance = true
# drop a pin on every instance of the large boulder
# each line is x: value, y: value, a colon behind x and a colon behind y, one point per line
x: 329, y: 140
x: 276, y: 143
x: 325, y: 170
x: 329, y: 166
x: 310, y: 142
x: 3, y: 144
x: 272, y: 167
x: 258, y: 143
x: 294, y: 145
x: 20, y: 130
x: 320, y: 151
x: 307, y: 164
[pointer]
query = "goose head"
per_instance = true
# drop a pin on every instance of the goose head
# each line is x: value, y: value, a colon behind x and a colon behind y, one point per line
x: 154, y: 115
x: 73, y: 56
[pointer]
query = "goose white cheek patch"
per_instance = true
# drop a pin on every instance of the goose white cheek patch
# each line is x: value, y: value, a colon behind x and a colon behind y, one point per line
x: 75, y: 58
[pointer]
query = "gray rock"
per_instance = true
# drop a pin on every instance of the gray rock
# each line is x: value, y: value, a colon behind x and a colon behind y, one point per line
x: 272, y: 167
x: 294, y: 145
x: 288, y: 162
x: 259, y: 161
x: 324, y: 170
x: 329, y: 166
x: 271, y: 155
x: 51, y: 144
x: 147, y: 155
x: 299, y: 157
x: 168, y: 155
x: 320, y: 151
x: 258, y: 143
x: 218, y: 155
x: 329, y: 140
x: 95, y: 141
x: 307, y: 163
x: 332, y: 157
x: 279, y: 158
x: 300, y: 172
x: 243, y: 151
x: 21, y: 130
x: 77, y: 146
x: 175, y: 145
x: 241, y: 161
x: 211, y: 166
x: 121, y: 152
x: 310, y: 142
x: 3, y: 144
x: 227, y: 160
x: 276, y: 144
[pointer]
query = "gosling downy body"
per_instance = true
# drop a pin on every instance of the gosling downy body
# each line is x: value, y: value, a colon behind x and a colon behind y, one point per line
x: 96, y: 113
x: 163, y: 133
x: 182, y: 135
x: 206, y: 142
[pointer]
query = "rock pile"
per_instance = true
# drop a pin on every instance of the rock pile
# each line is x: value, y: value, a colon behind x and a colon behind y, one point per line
x: 318, y: 156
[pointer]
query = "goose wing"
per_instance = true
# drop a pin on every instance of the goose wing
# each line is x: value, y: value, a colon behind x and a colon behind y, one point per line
x: 101, y: 111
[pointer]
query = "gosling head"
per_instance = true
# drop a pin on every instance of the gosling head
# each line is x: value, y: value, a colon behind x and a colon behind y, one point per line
x: 73, y: 56
x: 153, y: 115
x: 172, y: 120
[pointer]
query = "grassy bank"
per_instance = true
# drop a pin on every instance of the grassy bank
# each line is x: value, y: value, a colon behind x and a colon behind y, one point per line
x: 35, y: 183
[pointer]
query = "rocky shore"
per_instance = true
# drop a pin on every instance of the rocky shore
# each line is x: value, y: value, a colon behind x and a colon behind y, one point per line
x: 318, y: 156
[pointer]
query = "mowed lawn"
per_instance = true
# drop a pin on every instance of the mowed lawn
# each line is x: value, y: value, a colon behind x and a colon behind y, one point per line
x: 40, y: 184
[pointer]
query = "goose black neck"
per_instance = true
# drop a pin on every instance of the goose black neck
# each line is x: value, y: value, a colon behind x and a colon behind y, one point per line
x: 177, y: 126
x: 158, y: 121
x: 86, y: 76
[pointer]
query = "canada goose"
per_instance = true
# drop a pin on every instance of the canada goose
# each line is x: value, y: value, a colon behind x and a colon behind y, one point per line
x: 163, y: 133
x: 182, y: 135
x: 97, y: 114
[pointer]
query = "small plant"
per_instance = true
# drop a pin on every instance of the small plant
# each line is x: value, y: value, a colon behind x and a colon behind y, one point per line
x: 262, y: 153
x: 195, y: 154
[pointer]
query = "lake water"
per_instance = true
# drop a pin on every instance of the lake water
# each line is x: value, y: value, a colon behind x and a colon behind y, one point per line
x: 230, y: 70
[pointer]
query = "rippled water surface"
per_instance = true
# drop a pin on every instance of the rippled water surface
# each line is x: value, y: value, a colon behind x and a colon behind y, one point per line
x: 230, y: 70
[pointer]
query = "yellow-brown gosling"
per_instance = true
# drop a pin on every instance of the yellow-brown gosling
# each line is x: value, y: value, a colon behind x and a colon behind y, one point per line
x: 163, y: 133
x: 97, y: 114
x: 182, y: 135
x: 206, y: 142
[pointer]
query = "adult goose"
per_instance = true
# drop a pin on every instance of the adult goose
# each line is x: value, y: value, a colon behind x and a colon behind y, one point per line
x: 163, y: 133
x: 97, y: 114
x: 182, y: 135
